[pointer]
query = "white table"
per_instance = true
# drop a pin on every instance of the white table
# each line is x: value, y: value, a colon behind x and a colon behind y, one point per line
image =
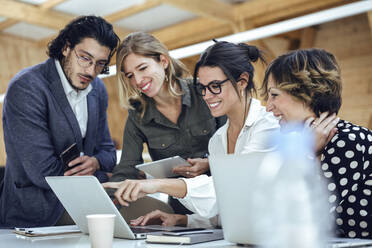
x: 10, y: 240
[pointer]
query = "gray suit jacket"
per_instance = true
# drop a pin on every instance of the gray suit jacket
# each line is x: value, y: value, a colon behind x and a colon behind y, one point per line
x: 38, y: 125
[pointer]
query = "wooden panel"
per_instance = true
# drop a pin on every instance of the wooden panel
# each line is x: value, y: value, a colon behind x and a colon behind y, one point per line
x: 16, y: 54
x: 116, y: 115
x: 370, y: 21
x: 350, y: 41
x: 307, y: 37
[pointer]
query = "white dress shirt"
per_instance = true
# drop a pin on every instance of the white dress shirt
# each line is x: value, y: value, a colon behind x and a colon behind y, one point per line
x: 201, y: 198
x: 77, y: 100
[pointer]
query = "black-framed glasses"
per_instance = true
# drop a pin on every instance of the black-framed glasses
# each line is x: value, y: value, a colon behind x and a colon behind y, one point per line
x: 214, y: 87
x: 85, y: 62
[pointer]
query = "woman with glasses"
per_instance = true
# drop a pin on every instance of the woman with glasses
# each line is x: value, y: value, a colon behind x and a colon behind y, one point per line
x: 164, y: 110
x: 224, y: 77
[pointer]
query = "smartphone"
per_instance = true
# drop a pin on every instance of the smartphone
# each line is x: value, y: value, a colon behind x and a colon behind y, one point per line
x: 68, y: 155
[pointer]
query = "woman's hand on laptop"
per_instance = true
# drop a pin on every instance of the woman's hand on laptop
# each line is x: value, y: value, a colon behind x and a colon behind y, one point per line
x: 131, y: 190
x: 197, y: 167
x: 160, y: 217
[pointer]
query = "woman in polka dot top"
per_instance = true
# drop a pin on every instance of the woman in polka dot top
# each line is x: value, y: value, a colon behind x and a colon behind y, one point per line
x: 305, y: 85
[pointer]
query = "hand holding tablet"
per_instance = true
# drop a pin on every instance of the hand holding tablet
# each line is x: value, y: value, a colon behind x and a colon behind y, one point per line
x: 163, y: 168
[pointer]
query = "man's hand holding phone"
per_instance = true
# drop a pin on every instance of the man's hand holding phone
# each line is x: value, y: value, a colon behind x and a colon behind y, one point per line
x: 82, y: 166
x: 75, y: 163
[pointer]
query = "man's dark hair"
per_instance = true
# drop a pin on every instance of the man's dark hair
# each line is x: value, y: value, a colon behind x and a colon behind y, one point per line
x: 80, y: 28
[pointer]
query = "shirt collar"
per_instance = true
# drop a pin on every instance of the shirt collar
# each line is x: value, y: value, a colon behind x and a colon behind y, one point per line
x: 253, y: 115
x: 69, y: 91
x: 253, y: 112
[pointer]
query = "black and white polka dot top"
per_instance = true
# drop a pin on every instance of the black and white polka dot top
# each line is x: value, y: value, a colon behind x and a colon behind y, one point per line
x: 347, y: 165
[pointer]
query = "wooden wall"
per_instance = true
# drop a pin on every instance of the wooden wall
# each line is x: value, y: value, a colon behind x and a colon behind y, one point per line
x: 116, y: 115
x: 16, y: 53
x: 349, y: 39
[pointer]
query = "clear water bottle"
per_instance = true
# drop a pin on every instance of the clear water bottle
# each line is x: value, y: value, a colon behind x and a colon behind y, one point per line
x: 296, y: 210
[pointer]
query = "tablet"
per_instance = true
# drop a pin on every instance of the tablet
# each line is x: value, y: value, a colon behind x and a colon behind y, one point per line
x: 162, y: 168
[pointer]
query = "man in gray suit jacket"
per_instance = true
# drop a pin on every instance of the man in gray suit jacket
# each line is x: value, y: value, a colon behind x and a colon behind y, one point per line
x: 47, y: 108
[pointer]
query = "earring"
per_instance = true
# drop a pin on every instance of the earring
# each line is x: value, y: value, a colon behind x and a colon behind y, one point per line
x: 166, y: 77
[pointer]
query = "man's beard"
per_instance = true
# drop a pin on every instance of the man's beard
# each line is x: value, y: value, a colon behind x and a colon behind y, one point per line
x: 67, y: 69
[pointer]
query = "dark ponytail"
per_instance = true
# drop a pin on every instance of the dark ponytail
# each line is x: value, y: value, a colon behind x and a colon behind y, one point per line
x: 233, y: 60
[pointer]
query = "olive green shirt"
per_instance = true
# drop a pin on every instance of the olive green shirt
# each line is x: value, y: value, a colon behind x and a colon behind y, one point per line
x: 188, y: 138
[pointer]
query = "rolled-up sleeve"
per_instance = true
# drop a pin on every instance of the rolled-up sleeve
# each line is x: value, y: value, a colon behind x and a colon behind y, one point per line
x: 201, y: 196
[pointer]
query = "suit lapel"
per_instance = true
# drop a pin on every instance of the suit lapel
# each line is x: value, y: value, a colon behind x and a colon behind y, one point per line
x: 92, y: 126
x: 61, y: 99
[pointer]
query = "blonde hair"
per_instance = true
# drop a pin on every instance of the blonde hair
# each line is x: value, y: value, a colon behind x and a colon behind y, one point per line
x: 145, y: 44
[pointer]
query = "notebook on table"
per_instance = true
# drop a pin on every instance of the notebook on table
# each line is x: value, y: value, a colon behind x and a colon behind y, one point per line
x: 47, y: 231
x: 185, y: 237
x: 84, y: 195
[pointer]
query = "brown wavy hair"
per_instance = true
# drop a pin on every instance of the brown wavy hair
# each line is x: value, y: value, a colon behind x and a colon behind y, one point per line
x: 312, y: 76
x: 145, y: 44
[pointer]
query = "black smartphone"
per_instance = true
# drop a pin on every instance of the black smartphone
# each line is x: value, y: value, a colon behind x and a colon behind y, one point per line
x: 68, y: 155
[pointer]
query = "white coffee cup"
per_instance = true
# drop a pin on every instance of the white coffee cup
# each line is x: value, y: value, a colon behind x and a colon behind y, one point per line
x: 101, y: 230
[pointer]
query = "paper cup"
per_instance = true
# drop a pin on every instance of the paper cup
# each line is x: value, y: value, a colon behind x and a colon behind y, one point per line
x: 101, y: 230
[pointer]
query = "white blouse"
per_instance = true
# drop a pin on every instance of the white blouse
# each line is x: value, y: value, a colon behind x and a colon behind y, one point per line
x: 77, y: 100
x: 201, y: 197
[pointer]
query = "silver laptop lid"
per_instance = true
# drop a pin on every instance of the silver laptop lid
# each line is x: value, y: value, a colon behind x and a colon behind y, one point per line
x: 83, y: 195
x: 234, y: 177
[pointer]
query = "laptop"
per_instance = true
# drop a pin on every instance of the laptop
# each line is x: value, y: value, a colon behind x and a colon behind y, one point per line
x: 84, y: 195
x: 235, y: 178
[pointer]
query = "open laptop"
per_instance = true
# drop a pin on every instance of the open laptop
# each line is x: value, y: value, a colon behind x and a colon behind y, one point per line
x: 235, y: 178
x: 84, y: 195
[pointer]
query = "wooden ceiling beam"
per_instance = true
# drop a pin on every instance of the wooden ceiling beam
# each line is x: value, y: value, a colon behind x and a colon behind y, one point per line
x: 206, y: 8
x: 298, y: 8
x: 203, y: 28
x: 257, y: 8
x: 149, y: 4
x: 50, y: 4
x: 33, y: 14
x: 7, y: 23
x: 45, y: 6
x: 191, y: 32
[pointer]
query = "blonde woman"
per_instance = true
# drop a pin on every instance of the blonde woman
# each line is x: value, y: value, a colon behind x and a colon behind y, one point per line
x: 164, y: 110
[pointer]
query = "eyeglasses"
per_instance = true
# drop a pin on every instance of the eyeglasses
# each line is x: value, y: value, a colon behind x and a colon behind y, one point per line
x: 214, y: 87
x: 85, y: 62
